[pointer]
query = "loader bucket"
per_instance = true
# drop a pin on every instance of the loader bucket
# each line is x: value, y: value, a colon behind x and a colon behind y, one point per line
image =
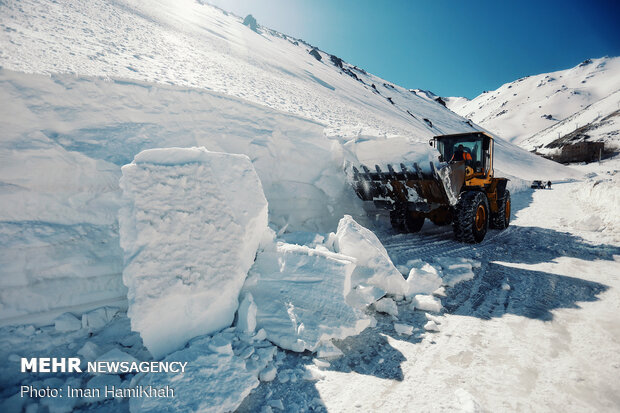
x: 421, y: 190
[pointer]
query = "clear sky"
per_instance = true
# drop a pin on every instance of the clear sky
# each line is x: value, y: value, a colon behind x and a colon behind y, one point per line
x: 451, y: 47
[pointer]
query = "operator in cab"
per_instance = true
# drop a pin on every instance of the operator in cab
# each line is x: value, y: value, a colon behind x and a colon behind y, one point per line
x: 461, y: 155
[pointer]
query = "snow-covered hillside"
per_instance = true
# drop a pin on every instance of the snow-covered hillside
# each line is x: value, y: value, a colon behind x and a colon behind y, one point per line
x: 598, y: 122
x: 518, y: 110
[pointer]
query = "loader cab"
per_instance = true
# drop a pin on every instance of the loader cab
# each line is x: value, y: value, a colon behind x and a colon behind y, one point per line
x: 474, y: 148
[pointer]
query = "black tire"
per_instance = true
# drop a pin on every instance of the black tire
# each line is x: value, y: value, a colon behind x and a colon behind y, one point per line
x: 413, y: 224
x: 501, y: 219
x: 471, y: 217
x: 403, y: 221
x: 397, y: 220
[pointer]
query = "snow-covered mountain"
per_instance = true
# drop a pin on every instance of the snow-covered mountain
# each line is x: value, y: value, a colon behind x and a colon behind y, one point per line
x: 598, y: 122
x: 518, y: 110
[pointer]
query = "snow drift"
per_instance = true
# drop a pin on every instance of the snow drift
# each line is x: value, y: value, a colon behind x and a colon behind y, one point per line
x: 190, y: 230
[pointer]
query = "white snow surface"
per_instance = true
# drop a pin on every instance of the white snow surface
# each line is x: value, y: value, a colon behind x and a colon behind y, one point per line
x: 519, y: 109
x: 190, y: 227
x: 300, y: 296
x: 106, y: 80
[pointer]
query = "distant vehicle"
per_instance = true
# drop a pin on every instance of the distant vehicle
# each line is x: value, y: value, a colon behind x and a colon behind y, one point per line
x: 537, y: 185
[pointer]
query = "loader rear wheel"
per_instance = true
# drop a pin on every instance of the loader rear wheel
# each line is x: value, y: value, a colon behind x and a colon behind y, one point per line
x: 471, y: 217
x: 403, y: 221
x: 501, y: 219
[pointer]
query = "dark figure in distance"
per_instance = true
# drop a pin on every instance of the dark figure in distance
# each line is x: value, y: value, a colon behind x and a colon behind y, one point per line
x: 548, y: 184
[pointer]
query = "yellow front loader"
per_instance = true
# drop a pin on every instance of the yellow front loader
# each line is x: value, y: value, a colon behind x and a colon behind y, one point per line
x: 461, y: 190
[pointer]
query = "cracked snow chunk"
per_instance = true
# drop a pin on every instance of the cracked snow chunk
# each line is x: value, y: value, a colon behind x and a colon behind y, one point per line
x: 300, y: 296
x: 214, y: 380
x: 98, y: 318
x: 89, y: 351
x: 67, y: 322
x: 276, y: 404
x: 426, y: 303
x: 423, y: 278
x: 403, y: 329
x: 456, y: 270
x: 387, y: 305
x: 374, y: 266
x: 431, y: 326
x: 362, y: 296
x: 190, y: 226
x: 268, y: 373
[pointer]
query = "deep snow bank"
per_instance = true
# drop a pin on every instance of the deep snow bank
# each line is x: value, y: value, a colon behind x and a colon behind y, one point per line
x: 190, y: 228
x: 64, y: 140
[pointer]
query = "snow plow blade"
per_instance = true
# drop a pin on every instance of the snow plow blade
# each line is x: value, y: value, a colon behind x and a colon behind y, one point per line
x: 420, y: 190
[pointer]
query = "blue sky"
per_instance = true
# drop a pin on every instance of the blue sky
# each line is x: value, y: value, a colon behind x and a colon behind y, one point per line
x: 451, y: 47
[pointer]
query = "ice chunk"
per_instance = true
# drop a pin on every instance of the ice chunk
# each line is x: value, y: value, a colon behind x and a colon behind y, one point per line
x: 190, y: 227
x: 89, y: 351
x: 386, y: 305
x: 362, y: 296
x: 426, y: 303
x: 300, y: 296
x: 246, y: 315
x: 374, y: 266
x: 268, y: 373
x: 98, y: 318
x: 431, y: 326
x: 423, y: 278
x: 221, y: 379
x: 67, y: 322
x: 403, y: 329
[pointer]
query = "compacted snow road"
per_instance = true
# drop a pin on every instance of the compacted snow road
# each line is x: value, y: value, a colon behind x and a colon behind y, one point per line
x: 536, y: 329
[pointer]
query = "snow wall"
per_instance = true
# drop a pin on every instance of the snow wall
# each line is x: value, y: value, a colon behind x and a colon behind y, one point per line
x: 66, y: 137
x: 65, y: 140
x: 190, y: 226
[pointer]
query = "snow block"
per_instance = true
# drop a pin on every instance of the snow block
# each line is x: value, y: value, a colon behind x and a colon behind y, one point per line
x: 190, y: 226
x: 423, y: 278
x: 374, y: 266
x: 300, y: 296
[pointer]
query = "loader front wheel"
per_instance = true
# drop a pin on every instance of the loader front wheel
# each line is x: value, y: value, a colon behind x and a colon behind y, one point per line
x: 501, y: 219
x: 471, y: 217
